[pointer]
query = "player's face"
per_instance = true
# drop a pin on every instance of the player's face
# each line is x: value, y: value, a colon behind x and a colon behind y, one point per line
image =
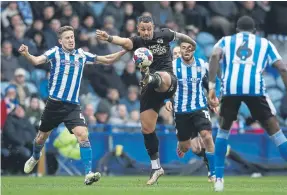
x: 146, y: 30
x: 186, y: 51
x: 67, y: 40
x: 176, y: 52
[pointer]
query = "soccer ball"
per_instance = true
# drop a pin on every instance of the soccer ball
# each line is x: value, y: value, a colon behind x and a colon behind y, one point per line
x: 142, y: 57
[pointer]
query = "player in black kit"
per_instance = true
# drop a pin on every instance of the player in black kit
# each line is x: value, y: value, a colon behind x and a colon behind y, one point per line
x: 158, y: 83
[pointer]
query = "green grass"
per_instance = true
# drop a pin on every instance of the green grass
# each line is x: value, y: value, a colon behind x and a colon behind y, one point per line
x: 136, y: 186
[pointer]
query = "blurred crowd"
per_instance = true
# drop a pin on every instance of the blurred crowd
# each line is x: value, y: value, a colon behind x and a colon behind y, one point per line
x: 109, y: 94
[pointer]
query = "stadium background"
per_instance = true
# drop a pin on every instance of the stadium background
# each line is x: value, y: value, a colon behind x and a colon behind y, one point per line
x: 109, y: 94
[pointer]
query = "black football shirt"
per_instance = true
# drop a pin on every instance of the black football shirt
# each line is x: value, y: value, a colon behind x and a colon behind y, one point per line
x: 160, y: 48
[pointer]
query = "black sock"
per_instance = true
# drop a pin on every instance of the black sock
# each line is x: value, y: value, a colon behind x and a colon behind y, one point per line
x: 151, y: 143
x: 155, y: 80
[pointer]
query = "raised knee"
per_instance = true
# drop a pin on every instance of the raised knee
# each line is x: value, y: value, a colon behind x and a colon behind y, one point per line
x: 146, y: 130
x: 165, y: 77
x: 82, y: 135
x: 206, y: 135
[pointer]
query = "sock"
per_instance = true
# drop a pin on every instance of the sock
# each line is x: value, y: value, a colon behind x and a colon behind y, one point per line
x: 281, y: 142
x: 220, y: 151
x: 86, y: 156
x: 155, y: 80
x: 210, y: 158
x: 37, y: 150
x: 205, y: 160
x: 151, y: 143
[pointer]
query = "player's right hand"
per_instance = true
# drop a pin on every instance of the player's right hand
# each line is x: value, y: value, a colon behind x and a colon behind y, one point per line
x: 102, y: 35
x: 23, y: 50
x: 168, y: 106
x: 213, y: 100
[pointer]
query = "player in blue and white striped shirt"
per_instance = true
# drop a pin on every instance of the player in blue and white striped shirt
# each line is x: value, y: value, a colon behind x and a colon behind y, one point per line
x: 67, y: 64
x: 190, y: 105
x: 245, y: 56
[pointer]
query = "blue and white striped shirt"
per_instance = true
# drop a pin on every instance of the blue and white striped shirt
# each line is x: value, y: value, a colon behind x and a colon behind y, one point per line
x: 66, y: 72
x: 190, y: 95
x: 245, y: 56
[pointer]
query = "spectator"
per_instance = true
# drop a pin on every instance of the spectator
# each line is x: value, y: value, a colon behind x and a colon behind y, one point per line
x: 18, y: 38
x: 49, y: 15
x: 20, y: 81
x: 9, y: 63
x: 75, y: 23
x: 34, y: 111
x: 10, y: 98
x: 109, y: 26
x: 115, y: 10
x: 40, y: 43
x: 67, y: 14
x: 223, y: 17
x: 129, y: 12
x: 162, y: 13
x: 130, y: 29
x: 50, y: 33
x: 130, y: 76
x: 8, y: 12
x: 18, y: 136
x: 134, y: 120
x: 178, y: 15
x: 120, y: 117
x: 196, y: 15
x: 131, y: 101
x: 89, y: 114
x: 37, y: 26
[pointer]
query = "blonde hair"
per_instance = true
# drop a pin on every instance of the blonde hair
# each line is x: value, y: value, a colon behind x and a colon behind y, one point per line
x: 64, y: 29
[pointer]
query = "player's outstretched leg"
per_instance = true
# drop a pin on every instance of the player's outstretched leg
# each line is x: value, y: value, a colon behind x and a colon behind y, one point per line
x: 209, y: 152
x: 276, y: 135
x: 220, y: 152
x: 148, y: 120
x: 38, y: 144
x: 86, y: 154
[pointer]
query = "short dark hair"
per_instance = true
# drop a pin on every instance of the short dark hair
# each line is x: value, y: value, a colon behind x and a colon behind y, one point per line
x: 145, y: 19
x: 245, y: 23
x: 64, y: 29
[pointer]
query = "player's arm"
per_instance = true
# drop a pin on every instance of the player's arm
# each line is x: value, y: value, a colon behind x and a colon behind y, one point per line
x: 185, y: 38
x: 35, y: 60
x: 109, y: 59
x: 282, y: 68
x: 126, y: 43
x: 276, y: 60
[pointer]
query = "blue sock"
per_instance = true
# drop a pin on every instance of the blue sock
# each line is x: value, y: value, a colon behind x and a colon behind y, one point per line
x: 281, y: 142
x: 86, y: 155
x: 220, y: 152
x: 210, y: 158
x: 37, y: 150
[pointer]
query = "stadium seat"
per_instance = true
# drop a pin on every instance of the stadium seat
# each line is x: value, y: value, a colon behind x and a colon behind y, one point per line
x: 32, y: 88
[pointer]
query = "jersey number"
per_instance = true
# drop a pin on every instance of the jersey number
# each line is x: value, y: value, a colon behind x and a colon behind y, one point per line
x: 243, y: 52
x: 206, y: 113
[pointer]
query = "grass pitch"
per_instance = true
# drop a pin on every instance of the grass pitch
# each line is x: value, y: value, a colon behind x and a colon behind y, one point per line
x: 136, y: 186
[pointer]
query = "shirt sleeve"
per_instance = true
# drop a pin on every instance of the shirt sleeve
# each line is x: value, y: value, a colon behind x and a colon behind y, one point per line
x: 168, y: 34
x: 273, y: 54
x: 220, y: 44
x: 50, y: 54
x: 136, y: 42
x: 90, y: 58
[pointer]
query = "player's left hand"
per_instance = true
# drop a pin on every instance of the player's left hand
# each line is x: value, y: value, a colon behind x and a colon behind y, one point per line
x: 168, y: 106
x: 213, y: 100
x: 102, y: 35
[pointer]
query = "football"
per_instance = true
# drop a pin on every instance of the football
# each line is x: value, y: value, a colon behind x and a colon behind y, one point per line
x: 143, y: 57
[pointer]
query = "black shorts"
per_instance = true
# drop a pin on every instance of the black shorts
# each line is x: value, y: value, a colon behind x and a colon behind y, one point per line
x: 57, y: 112
x: 188, y: 125
x: 151, y: 99
x: 261, y: 107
